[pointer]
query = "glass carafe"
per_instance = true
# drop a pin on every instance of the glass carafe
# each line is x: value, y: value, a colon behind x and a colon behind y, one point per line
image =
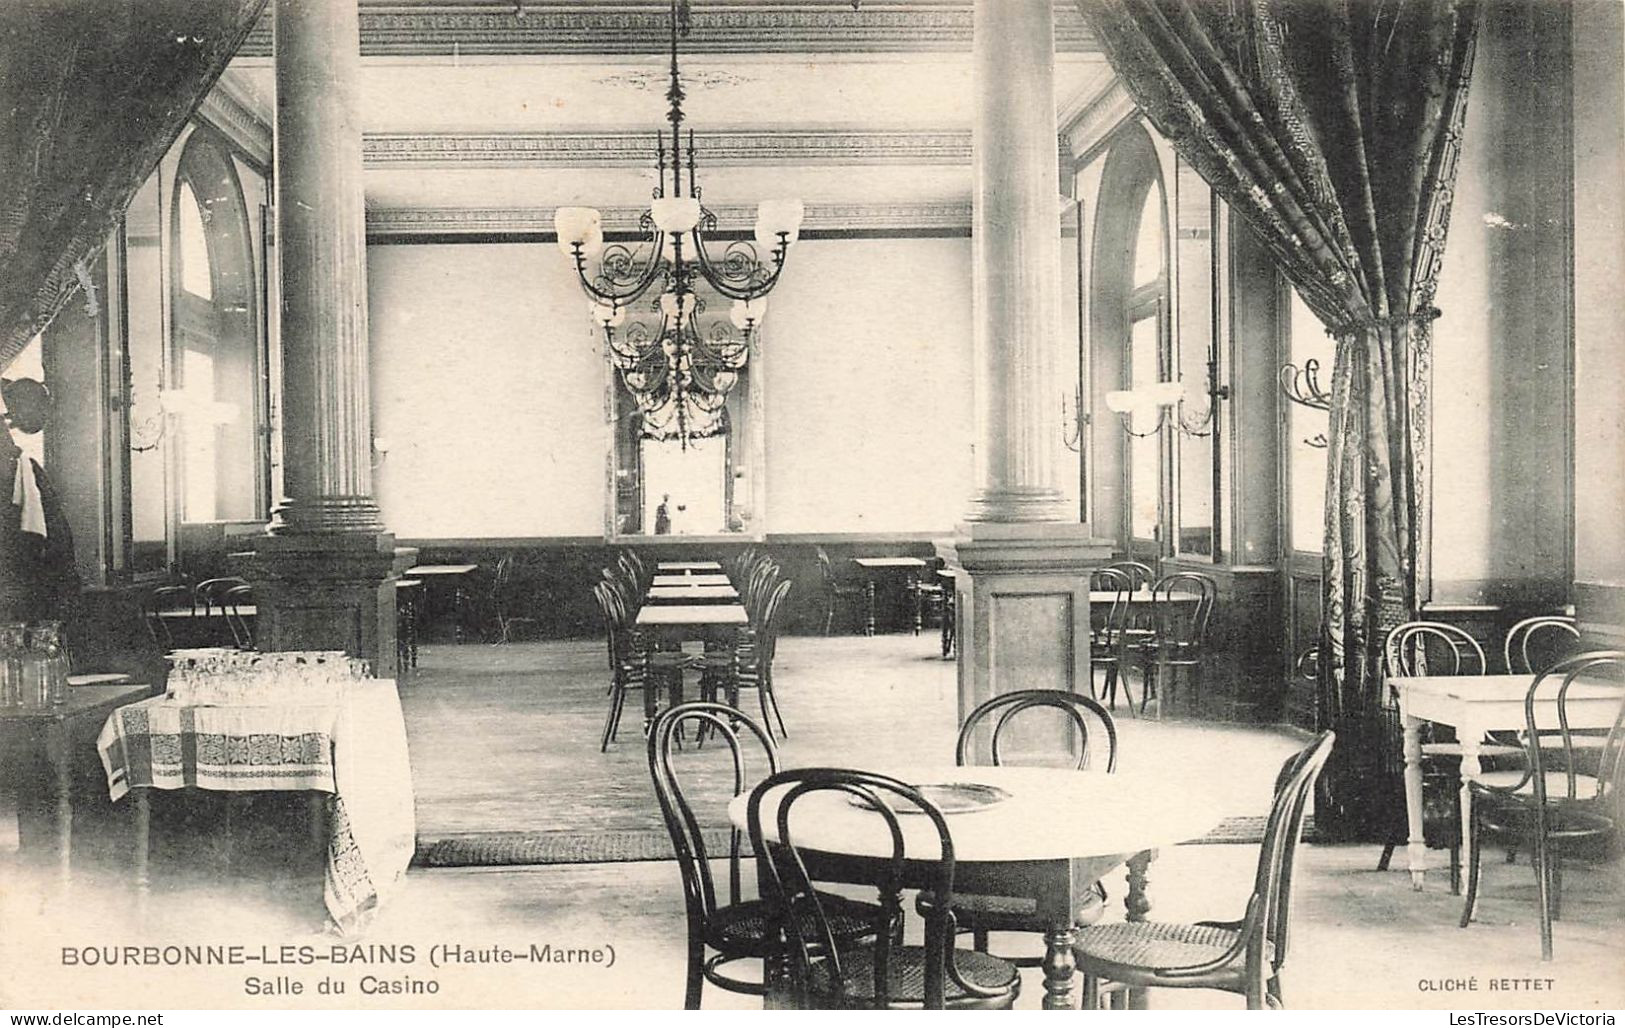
x: 45, y: 640
x: 13, y: 641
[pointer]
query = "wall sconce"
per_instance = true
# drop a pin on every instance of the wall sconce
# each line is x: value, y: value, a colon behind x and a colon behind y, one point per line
x: 1072, y: 424
x: 1163, y: 398
x: 380, y: 451
x: 174, y: 405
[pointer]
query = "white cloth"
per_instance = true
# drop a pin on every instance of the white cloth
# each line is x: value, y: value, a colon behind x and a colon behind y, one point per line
x: 25, y: 494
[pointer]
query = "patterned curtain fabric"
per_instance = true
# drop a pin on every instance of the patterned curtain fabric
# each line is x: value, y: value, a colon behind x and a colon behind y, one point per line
x: 1332, y: 127
x: 91, y: 96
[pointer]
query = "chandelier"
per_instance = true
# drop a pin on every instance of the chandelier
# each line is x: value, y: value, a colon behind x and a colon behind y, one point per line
x: 679, y: 372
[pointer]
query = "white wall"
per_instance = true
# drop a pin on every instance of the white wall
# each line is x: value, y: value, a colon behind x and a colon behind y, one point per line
x: 1599, y: 291
x: 868, y: 387
x: 1501, y: 376
x: 489, y: 391
x: 488, y: 388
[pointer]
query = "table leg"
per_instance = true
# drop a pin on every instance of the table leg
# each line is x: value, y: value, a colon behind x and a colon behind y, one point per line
x: 60, y: 755
x: 1469, y: 738
x: 919, y: 602
x: 869, y: 597
x: 1059, y: 966
x: 1416, y: 852
x: 143, y: 840
x: 1136, y: 904
x: 457, y: 613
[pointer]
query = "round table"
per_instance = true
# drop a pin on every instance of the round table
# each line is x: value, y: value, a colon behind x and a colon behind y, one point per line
x: 1050, y: 841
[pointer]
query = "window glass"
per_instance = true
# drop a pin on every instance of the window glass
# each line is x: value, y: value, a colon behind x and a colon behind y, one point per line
x: 1145, y: 451
x: 196, y: 277
x: 144, y: 352
x: 1148, y: 240
x: 1306, y: 443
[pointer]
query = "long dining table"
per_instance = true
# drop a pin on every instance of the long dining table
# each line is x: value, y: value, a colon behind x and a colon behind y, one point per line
x: 1475, y: 705
x: 1020, y: 847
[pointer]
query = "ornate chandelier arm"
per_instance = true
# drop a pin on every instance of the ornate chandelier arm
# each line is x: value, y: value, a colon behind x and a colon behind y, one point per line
x: 740, y: 273
x: 618, y: 257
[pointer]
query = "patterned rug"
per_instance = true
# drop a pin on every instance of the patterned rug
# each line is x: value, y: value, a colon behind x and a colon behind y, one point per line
x: 504, y: 849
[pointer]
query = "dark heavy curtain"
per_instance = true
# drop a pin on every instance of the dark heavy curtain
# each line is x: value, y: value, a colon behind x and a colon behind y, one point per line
x: 92, y: 93
x: 1332, y: 127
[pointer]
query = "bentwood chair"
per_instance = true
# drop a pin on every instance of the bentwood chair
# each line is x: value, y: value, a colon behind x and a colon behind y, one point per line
x: 837, y: 591
x: 1244, y: 956
x: 1107, y: 639
x: 1535, y: 644
x: 1568, y: 795
x: 1181, y: 610
x: 826, y: 972
x: 632, y: 666
x: 175, y: 601
x: 981, y: 744
x: 753, y: 658
x: 739, y: 928
x: 1438, y: 649
x: 508, y: 599
x: 209, y: 610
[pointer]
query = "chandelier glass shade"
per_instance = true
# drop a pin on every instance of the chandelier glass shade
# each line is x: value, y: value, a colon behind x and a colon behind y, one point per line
x: 678, y: 372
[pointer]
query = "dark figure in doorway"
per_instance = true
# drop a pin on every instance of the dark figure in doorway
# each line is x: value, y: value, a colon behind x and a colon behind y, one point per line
x: 38, y: 580
x: 663, y: 516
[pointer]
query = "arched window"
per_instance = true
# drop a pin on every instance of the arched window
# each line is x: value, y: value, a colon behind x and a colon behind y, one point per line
x: 1129, y: 340
x: 216, y: 399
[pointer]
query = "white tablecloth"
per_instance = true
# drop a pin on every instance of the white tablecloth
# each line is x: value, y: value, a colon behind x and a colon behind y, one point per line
x: 354, y: 748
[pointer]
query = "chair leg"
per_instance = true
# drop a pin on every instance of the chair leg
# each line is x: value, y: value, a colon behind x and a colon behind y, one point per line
x: 1091, y: 993
x: 617, y: 696
x: 1387, y: 855
x: 1455, y: 870
x: 773, y: 699
x: 1543, y: 886
x: 1272, y: 993
x: 696, y: 975
x: 1475, y: 855
x: 979, y: 940
x: 1556, y: 863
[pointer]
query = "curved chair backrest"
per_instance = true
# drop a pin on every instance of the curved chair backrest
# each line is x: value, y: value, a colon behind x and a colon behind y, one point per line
x: 1079, y: 710
x: 638, y: 568
x: 767, y: 623
x: 1541, y: 640
x: 1140, y: 575
x: 1432, y: 648
x: 1272, y: 885
x: 625, y: 591
x: 208, y: 594
x: 801, y: 914
x: 687, y: 839
x: 1549, y: 742
x: 759, y: 586
x: 1182, y: 607
x: 743, y: 564
x: 826, y: 568
x: 232, y: 602
x: 1121, y: 584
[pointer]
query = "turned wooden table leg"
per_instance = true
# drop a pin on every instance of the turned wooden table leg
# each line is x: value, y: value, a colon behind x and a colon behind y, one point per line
x: 869, y: 598
x: 1059, y: 966
x: 1136, y: 903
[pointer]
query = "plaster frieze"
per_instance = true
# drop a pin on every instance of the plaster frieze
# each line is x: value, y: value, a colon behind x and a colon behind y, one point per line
x: 796, y: 147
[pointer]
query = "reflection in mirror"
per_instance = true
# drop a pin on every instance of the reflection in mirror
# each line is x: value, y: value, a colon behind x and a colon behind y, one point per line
x: 687, y: 425
x: 1194, y: 341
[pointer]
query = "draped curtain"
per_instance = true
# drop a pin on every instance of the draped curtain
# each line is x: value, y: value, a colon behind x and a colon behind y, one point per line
x: 92, y: 94
x: 1333, y: 128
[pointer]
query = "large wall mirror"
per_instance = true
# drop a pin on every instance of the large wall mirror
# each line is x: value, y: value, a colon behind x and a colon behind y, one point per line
x: 686, y: 426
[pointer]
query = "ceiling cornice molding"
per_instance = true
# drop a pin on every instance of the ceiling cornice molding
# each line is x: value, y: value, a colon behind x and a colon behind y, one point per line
x: 719, y: 27
x: 1099, y: 118
x: 897, y: 217
x: 230, y: 110
x: 636, y: 149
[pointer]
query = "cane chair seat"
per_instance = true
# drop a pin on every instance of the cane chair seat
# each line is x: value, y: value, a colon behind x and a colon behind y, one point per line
x: 750, y: 929
x: 906, y: 974
x: 1115, y: 949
